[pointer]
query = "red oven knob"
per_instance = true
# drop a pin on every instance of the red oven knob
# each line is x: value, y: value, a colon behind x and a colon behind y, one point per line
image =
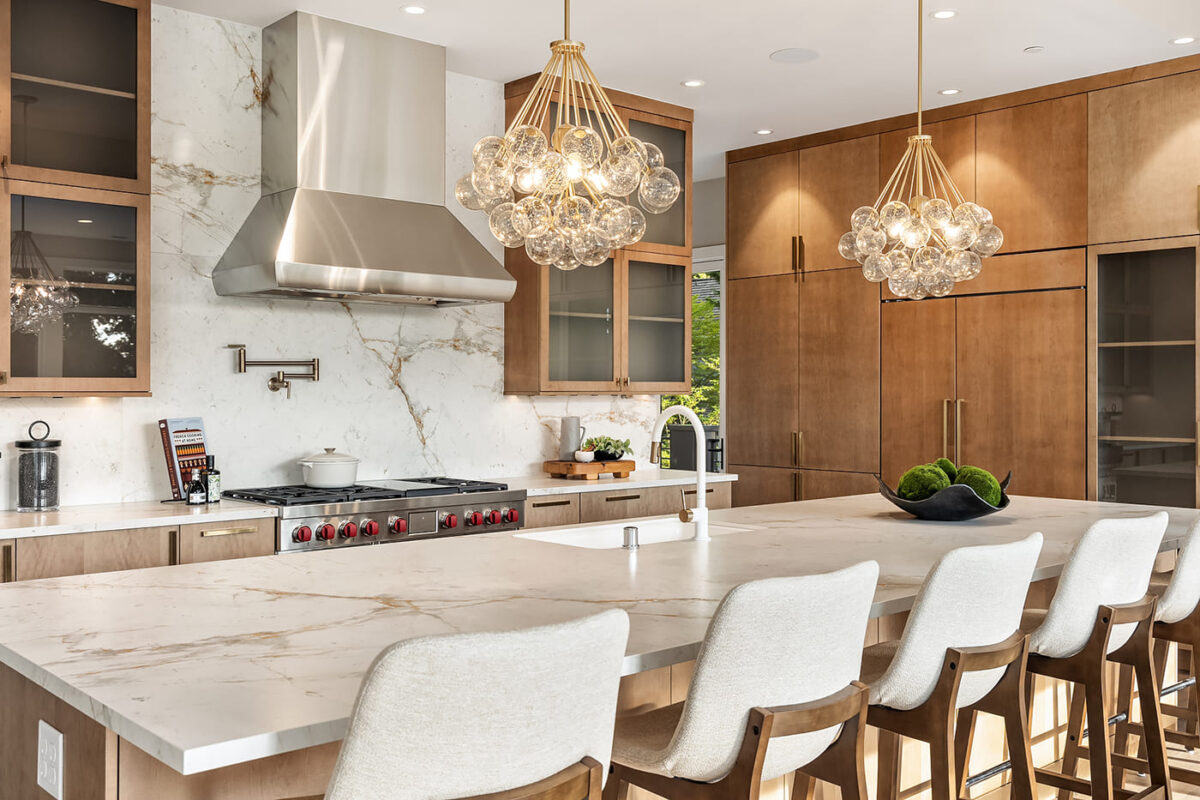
x: 348, y: 530
x: 474, y: 518
x: 325, y: 531
x: 369, y: 527
x: 512, y: 515
x: 450, y: 521
x: 302, y: 534
x: 400, y: 525
x: 493, y: 517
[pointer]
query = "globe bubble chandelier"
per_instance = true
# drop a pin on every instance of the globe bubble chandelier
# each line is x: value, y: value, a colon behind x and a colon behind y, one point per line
x: 921, y: 235
x: 36, y: 297
x: 567, y: 197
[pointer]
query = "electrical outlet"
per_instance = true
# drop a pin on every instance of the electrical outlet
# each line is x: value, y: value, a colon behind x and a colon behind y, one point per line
x: 50, y: 760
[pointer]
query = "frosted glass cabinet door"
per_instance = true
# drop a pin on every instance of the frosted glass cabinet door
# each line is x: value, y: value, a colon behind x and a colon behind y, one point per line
x: 671, y: 229
x: 582, y: 327
x: 659, y: 333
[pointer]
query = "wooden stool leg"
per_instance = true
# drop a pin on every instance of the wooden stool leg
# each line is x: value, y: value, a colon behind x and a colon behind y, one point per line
x: 804, y: 787
x: 1071, y: 747
x: 1156, y: 748
x: 943, y: 782
x: 964, y: 735
x: 1121, y: 735
x: 888, y: 786
x: 1184, y: 658
x: 1099, y: 755
x: 1016, y: 732
x: 615, y: 788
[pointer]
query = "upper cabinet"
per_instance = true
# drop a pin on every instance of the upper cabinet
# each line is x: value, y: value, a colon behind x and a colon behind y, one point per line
x: 835, y: 179
x: 671, y: 231
x: 762, y: 218
x: 1144, y: 159
x: 1031, y: 172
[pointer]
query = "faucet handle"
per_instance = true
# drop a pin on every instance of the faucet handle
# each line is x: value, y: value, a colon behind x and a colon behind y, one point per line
x: 685, y: 513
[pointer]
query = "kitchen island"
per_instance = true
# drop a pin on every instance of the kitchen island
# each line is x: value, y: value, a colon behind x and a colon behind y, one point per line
x: 176, y: 680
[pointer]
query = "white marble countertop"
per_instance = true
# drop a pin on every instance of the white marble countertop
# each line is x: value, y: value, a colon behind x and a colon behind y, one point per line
x: 115, y: 516
x: 207, y: 665
x: 645, y: 478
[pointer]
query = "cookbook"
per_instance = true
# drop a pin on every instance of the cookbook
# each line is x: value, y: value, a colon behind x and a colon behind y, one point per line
x: 185, y: 449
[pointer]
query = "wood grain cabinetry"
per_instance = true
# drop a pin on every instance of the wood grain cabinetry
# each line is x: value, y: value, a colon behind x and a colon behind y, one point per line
x: 766, y: 485
x: 835, y: 179
x: 819, y: 483
x: 552, y: 510
x: 646, y: 502
x: 762, y: 220
x: 95, y: 551
x: 219, y: 541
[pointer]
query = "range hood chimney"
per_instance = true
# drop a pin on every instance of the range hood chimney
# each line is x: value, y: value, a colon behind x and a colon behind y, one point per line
x: 353, y: 182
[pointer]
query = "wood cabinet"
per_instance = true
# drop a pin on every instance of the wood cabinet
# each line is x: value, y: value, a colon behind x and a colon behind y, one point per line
x: 835, y: 179
x: 765, y: 485
x: 762, y: 220
x: 220, y: 541
x: 544, y: 511
x: 816, y: 484
x: 1144, y: 159
x: 552, y: 510
x: 95, y: 551
x: 1032, y: 172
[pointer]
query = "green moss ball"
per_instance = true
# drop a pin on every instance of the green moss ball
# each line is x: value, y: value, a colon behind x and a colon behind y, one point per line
x: 983, y: 482
x: 947, y: 466
x: 922, y: 481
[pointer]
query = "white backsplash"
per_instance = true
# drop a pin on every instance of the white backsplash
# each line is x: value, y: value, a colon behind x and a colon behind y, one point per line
x: 410, y: 391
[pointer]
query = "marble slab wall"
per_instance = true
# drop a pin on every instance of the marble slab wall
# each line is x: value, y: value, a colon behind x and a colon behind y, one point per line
x: 410, y: 391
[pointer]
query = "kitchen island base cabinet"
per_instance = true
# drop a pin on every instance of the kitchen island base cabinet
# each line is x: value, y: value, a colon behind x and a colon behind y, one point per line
x: 651, y: 502
x: 94, y: 551
x: 224, y: 540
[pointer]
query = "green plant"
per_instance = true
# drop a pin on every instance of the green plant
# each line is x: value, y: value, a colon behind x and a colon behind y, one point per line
x: 983, y: 482
x: 947, y: 466
x: 922, y: 481
x: 607, y: 444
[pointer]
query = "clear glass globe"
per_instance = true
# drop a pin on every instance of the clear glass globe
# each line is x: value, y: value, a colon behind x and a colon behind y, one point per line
x: 529, y: 180
x: 915, y: 234
x: 553, y: 167
x: 659, y: 190
x: 531, y: 217
x: 846, y: 246
x: 525, y: 145
x: 899, y: 261
x: 591, y: 248
x: 595, y: 178
x: 464, y: 192
x: 623, y: 174
x: 654, y: 155
x: 904, y: 283
x: 870, y: 241
x: 567, y: 262
x: 893, y: 218
x: 491, y: 180
x: 547, y: 248
x: 941, y: 286
x: 963, y: 265
x: 637, y: 227
x: 928, y: 280
x: 486, y: 150
x: 501, y: 223
x: 863, y: 217
x: 875, y: 267
x: 630, y: 147
x: 980, y: 215
x: 583, y: 146
x: 961, y: 231
x: 573, y: 215
x: 989, y: 240
x: 611, y: 220
x: 928, y: 260
x: 557, y: 136
x: 507, y: 197
x: 936, y: 213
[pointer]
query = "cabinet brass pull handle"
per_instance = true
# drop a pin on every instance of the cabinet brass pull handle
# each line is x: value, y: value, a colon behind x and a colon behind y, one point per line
x: 958, y: 430
x: 8, y: 563
x: 3, y: 377
x: 693, y: 491
x: 795, y: 448
x: 552, y: 503
x: 622, y: 497
x: 173, y: 547
x: 795, y: 254
x: 227, y: 532
x: 797, y: 486
x: 946, y: 427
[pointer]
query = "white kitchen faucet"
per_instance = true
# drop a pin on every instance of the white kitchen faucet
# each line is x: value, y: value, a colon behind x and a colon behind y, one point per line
x: 699, y: 514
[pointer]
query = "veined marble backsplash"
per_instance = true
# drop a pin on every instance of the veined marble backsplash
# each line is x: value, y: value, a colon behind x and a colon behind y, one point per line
x: 410, y: 391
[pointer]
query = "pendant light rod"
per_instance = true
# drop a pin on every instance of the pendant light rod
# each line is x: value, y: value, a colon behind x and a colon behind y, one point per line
x: 567, y: 20
x: 920, y: 62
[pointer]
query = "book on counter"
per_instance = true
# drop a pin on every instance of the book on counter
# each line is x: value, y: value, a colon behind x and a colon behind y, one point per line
x: 185, y: 449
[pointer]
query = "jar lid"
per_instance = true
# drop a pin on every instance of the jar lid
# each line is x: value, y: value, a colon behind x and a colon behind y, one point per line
x: 35, y: 442
x: 329, y: 457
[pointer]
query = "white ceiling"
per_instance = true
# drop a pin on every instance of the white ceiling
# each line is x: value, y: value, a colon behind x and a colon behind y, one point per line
x: 865, y: 69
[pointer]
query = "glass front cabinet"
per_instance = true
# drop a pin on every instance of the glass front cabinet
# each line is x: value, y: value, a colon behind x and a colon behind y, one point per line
x: 1145, y: 419
x: 75, y: 148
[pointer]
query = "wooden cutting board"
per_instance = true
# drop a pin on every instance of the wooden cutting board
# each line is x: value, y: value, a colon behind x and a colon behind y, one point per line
x: 589, y: 471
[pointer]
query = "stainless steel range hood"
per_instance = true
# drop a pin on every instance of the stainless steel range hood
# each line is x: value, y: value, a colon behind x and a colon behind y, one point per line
x: 353, y: 184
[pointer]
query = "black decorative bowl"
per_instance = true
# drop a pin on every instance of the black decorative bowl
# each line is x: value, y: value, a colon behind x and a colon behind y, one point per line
x: 956, y: 503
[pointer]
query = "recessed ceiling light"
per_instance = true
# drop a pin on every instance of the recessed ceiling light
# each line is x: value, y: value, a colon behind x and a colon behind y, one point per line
x: 84, y: 221
x: 1035, y: 48
x: 794, y: 55
x: 694, y: 83
x: 764, y: 131
x: 414, y: 10
x: 1184, y: 40
x: 949, y: 91
x: 945, y: 13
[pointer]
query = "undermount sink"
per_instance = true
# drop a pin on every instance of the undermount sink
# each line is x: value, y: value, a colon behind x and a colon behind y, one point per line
x: 612, y: 536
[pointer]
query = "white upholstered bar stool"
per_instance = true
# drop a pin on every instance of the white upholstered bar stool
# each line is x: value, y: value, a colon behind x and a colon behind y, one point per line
x: 773, y: 692
x: 961, y: 652
x: 1101, y: 613
x: 521, y: 714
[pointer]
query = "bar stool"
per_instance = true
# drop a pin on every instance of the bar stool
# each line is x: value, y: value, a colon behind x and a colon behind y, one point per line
x: 526, y: 713
x: 961, y: 652
x: 1100, y: 613
x: 773, y: 692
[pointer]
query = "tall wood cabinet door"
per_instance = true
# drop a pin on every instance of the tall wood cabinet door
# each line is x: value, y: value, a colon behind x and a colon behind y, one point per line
x: 818, y: 483
x: 954, y: 141
x: 1021, y: 382
x: 838, y: 409
x: 761, y: 216
x: 761, y: 398
x: 916, y: 384
x: 835, y: 179
x: 1031, y: 173
x: 95, y: 551
x: 1144, y: 159
x: 758, y: 486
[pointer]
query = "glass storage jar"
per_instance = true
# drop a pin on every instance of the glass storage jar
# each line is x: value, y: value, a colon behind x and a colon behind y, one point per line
x: 37, y: 470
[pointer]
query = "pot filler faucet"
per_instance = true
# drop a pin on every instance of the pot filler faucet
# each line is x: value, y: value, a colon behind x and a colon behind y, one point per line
x: 699, y: 514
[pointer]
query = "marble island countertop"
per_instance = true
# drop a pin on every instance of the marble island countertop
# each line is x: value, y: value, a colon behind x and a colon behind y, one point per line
x: 116, y: 516
x: 212, y: 664
x: 644, y: 478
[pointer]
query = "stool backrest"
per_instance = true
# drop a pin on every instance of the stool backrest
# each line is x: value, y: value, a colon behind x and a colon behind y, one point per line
x: 773, y: 642
x: 1183, y: 592
x: 1109, y: 565
x: 469, y: 714
x: 973, y: 597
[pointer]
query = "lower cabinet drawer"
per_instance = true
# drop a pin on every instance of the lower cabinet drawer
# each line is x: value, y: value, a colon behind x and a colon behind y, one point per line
x: 94, y: 551
x: 653, y: 502
x: 218, y: 541
x: 546, y: 511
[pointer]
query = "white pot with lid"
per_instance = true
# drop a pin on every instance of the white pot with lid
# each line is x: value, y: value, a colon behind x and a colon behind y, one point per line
x: 329, y: 470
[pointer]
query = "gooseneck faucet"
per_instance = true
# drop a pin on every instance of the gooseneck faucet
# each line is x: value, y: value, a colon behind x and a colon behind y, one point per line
x: 699, y: 514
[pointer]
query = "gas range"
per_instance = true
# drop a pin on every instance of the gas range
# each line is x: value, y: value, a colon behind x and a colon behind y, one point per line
x: 378, y: 512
